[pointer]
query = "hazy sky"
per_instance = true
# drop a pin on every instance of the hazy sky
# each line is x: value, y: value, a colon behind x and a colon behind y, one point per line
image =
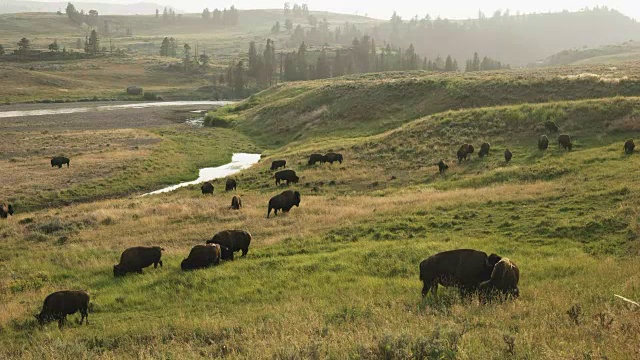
x: 453, y: 9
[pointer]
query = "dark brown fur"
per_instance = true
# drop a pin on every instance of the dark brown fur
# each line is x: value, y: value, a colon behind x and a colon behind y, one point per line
x: 236, y: 203
x: 5, y: 210
x: 62, y: 303
x: 59, y: 161
x: 286, y: 175
x: 503, y: 283
x: 234, y: 240
x: 201, y: 257
x: 543, y: 142
x: 285, y: 201
x: 629, y: 147
x: 231, y: 185
x: 137, y: 258
x: 207, y: 188
x: 565, y: 142
x: 277, y: 164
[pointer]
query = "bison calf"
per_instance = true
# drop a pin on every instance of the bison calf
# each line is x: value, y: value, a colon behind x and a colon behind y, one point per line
x: 464, y: 269
x: 6, y: 210
x: 201, y: 257
x: 234, y: 240
x: 62, y: 303
x: 59, y: 161
x: 286, y: 175
x: 137, y: 258
x: 236, y: 203
x: 277, y: 164
x: 285, y: 201
x: 503, y: 283
x: 207, y: 188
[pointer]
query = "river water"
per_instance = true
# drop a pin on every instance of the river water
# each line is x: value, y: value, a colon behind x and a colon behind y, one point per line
x: 238, y: 163
x: 103, y: 107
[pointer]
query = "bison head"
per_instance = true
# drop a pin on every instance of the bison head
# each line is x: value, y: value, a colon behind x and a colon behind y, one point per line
x: 118, y: 271
x: 42, y: 319
x: 227, y: 254
x: 296, y: 199
x: 492, y: 260
x: 10, y: 209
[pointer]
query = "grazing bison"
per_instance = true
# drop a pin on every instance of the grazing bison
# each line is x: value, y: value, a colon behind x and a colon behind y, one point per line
x: 230, y: 185
x: 236, y: 203
x: 543, y: 143
x: 316, y: 158
x: 333, y: 157
x: 62, y: 303
x: 464, y: 152
x: 201, y: 257
x: 286, y: 175
x: 207, y: 188
x: 5, y: 210
x: 629, y: 146
x: 551, y: 126
x: 565, y: 142
x: 503, y: 282
x: 137, y: 258
x: 234, y: 240
x: 484, y: 150
x: 442, y: 167
x: 284, y: 202
x: 465, y: 269
x: 278, y: 164
x: 59, y: 161
x: 508, y: 155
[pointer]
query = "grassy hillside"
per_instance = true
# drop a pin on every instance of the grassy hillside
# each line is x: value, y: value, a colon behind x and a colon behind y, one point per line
x: 611, y: 54
x: 369, y: 104
x: 338, y: 276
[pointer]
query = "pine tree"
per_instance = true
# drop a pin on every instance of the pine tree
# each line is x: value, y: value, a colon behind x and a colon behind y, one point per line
x: 302, y: 62
x: 186, y: 56
x: 253, y: 59
x: 54, y: 46
x: 239, y: 79
x: 288, y: 24
x: 24, y: 45
x: 323, y: 69
x: 448, y: 65
x: 92, y: 44
x: 165, y: 47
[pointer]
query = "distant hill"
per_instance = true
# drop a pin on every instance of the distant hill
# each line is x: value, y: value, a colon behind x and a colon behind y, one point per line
x: 19, y: 6
x: 610, y: 54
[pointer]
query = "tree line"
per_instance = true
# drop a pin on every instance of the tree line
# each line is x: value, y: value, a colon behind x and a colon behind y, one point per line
x: 225, y: 17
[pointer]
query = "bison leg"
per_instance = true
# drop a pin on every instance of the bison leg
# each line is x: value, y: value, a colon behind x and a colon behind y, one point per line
x: 245, y: 251
x: 139, y: 271
x: 60, y: 166
x: 160, y: 262
x: 61, y: 321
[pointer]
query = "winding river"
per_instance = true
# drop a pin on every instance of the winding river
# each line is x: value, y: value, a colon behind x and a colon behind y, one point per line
x: 238, y: 163
x: 87, y: 107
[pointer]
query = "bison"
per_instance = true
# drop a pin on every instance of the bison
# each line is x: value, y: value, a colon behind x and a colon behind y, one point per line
x: 629, y: 147
x: 543, y: 143
x: 286, y: 175
x: 333, y: 157
x: 316, y: 158
x: 442, y: 167
x: 465, y: 269
x: 284, y: 202
x: 234, y: 240
x: 230, y: 185
x: 277, y: 164
x: 59, y: 161
x: 464, y: 152
x: 201, y: 257
x: 565, y: 142
x: 236, y: 203
x: 503, y: 282
x: 508, y: 155
x: 6, y: 210
x: 62, y: 303
x: 551, y: 126
x: 207, y: 188
x: 137, y: 258
x: 484, y: 150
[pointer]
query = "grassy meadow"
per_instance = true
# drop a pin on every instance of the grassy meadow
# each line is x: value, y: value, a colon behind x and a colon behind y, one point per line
x: 338, y: 276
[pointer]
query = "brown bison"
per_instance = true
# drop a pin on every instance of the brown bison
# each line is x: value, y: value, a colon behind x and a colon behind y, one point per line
x: 442, y: 167
x: 234, y: 240
x: 465, y: 269
x: 284, y: 202
x: 484, y: 150
x: 316, y: 158
x: 286, y: 175
x: 465, y: 151
x: 277, y: 164
x: 230, y: 185
x: 59, y: 161
x: 5, y: 210
x: 543, y: 143
x: 236, y: 203
x: 508, y: 155
x: 333, y: 157
x: 629, y: 147
x: 503, y: 282
x: 62, y: 303
x: 137, y: 258
x: 201, y: 257
x: 551, y: 126
x: 207, y: 188
x: 565, y: 142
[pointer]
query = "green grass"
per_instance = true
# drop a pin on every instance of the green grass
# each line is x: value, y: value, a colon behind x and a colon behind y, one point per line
x: 338, y: 276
